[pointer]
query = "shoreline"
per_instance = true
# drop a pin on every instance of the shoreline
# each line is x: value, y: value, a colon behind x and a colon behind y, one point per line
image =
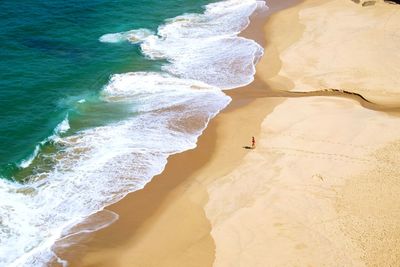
x: 319, y: 190
x: 167, y: 187
x: 308, y: 177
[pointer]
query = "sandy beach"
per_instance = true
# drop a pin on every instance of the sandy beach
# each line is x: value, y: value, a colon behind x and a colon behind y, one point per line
x: 340, y: 45
x: 320, y: 188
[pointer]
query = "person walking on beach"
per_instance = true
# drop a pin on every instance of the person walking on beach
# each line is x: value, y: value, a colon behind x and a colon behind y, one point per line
x: 253, y: 142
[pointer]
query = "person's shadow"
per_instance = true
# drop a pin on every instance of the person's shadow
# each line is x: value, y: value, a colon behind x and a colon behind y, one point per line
x: 248, y: 147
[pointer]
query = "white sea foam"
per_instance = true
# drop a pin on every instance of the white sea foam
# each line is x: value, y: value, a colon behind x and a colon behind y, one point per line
x: 98, y: 166
x: 61, y: 128
x: 26, y: 162
x: 206, y: 47
x: 133, y: 36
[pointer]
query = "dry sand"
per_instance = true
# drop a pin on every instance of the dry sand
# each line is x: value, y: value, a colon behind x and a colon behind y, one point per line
x: 320, y: 189
x: 165, y: 223
x: 343, y: 45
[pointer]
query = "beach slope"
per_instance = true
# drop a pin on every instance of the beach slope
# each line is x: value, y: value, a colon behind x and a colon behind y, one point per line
x: 340, y: 45
x: 320, y: 188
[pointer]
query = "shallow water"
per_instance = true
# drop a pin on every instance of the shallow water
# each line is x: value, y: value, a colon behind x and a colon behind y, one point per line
x: 95, y: 96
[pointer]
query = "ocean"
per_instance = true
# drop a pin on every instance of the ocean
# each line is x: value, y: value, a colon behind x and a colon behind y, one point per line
x: 94, y: 98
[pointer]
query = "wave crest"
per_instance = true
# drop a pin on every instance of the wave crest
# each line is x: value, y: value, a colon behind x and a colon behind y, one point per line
x: 206, y: 47
x: 85, y: 170
x: 98, y: 166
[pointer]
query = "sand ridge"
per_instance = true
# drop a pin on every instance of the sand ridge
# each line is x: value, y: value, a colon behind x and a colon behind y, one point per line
x: 320, y: 189
x: 343, y: 45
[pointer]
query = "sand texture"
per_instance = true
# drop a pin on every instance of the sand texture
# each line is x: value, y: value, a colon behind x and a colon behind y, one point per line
x: 322, y: 186
x: 320, y: 189
x: 343, y: 45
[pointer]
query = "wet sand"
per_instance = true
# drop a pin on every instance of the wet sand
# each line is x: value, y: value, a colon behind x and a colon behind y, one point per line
x: 164, y: 224
x: 319, y: 189
x: 343, y: 45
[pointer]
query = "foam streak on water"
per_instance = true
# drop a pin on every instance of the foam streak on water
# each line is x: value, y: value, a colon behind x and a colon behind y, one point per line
x: 206, y: 47
x: 134, y: 36
x: 61, y: 128
x: 88, y: 169
x: 100, y: 165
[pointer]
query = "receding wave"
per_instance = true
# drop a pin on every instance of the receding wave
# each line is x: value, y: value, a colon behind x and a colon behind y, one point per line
x: 206, y: 47
x: 78, y: 171
x: 99, y: 165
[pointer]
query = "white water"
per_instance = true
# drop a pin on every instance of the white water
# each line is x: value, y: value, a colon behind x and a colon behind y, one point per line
x: 98, y: 166
x: 203, y: 47
x: 134, y: 36
x: 61, y: 128
x: 206, y: 47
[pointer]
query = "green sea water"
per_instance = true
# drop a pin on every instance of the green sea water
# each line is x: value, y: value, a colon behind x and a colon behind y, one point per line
x: 95, y: 96
x: 51, y: 58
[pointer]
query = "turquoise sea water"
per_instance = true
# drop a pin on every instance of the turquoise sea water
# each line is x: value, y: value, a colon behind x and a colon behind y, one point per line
x: 94, y: 98
x: 51, y: 57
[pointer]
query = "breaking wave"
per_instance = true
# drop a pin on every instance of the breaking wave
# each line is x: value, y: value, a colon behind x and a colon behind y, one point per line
x: 76, y: 172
